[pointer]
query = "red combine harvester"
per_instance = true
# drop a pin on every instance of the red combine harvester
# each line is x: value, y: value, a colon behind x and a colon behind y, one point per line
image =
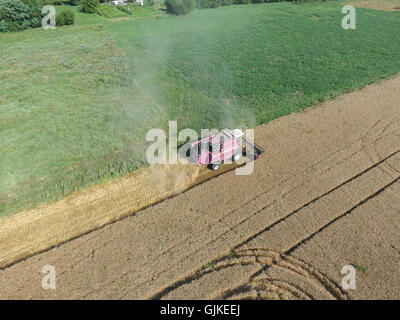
x: 227, y: 144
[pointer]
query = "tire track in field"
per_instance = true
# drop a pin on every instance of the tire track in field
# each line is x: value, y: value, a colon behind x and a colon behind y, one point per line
x: 309, y: 237
x: 283, y: 219
x: 377, y: 133
x: 294, y: 265
x: 364, y: 147
x: 259, y: 283
x: 266, y: 289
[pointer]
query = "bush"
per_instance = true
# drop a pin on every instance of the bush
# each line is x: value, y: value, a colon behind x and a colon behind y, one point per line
x: 89, y: 6
x: 16, y: 15
x: 241, y: 1
x: 179, y: 7
x: 66, y: 17
x: 258, y: 1
x: 60, y: 19
x: 69, y: 17
x: 73, y: 2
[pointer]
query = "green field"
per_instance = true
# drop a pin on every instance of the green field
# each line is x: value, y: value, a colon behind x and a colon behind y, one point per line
x: 76, y: 102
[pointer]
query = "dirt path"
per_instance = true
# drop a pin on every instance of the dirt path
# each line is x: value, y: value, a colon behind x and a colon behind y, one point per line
x: 325, y: 195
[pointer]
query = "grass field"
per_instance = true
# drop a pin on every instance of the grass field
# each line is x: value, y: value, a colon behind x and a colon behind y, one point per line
x: 76, y: 102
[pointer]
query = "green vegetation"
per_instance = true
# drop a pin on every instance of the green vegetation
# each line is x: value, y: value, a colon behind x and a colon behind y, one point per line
x: 125, y: 9
x: 76, y: 102
x: 110, y: 12
x: 134, y: 11
x: 360, y: 267
x: 15, y: 15
x: 65, y: 17
x: 143, y: 12
x: 203, y: 4
x: 250, y: 64
x: 90, y: 6
x: 179, y: 7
